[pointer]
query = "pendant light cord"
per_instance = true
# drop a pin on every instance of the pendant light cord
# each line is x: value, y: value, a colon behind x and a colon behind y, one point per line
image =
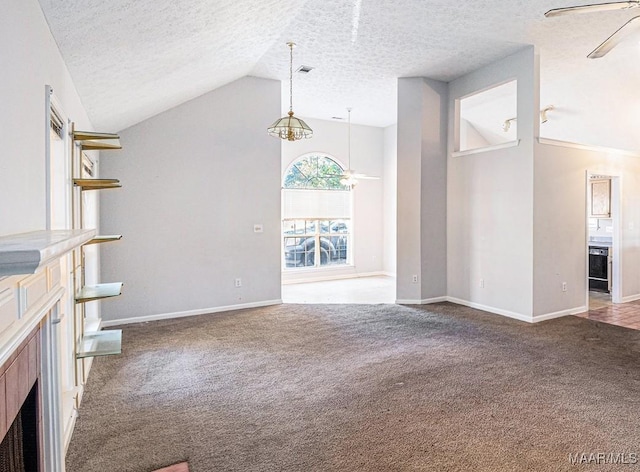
x: 349, y: 141
x: 291, y: 45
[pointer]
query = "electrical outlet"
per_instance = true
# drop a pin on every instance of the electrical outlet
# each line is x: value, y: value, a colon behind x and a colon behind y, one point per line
x: 481, y: 283
x: 414, y: 279
x: 564, y: 286
x: 238, y: 282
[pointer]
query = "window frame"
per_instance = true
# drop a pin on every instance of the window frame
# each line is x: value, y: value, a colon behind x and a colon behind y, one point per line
x: 322, y: 241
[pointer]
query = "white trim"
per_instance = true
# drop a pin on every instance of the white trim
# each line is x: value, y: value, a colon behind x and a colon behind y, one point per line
x: 587, y: 147
x: 495, y: 147
x: 26, y: 253
x: 68, y: 429
x: 630, y: 298
x: 11, y: 339
x: 497, y: 311
x: 182, y: 314
x: 490, y: 309
x: 325, y: 278
x: 425, y: 301
x: 559, y: 314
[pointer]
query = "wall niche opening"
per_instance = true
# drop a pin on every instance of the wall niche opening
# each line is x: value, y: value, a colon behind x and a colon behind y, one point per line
x: 487, y: 118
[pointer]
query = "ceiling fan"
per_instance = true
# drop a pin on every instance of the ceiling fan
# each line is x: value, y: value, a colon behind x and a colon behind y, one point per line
x: 612, y: 41
x: 350, y: 177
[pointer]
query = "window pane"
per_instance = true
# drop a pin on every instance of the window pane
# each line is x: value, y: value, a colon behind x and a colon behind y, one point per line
x: 326, y: 251
x: 298, y: 252
x: 311, y: 227
x: 315, y: 171
x: 288, y: 227
x: 340, y: 226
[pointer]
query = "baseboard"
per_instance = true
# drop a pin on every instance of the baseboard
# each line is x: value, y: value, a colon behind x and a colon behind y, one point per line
x: 69, y: 430
x: 630, y: 298
x: 559, y: 314
x: 490, y: 309
x: 329, y: 277
x: 425, y: 301
x: 182, y: 314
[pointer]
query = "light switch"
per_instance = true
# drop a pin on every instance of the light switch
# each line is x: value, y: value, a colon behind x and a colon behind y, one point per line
x: 258, y: 229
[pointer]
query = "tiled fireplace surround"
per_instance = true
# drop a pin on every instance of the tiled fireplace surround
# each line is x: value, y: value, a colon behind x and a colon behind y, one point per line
x: 30, y: 301
x: 20, y: 403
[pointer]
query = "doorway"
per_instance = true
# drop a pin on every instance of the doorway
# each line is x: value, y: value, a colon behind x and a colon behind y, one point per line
x: 603, y: 240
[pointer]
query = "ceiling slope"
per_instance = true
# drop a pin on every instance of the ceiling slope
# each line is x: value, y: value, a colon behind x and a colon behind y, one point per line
x: 131, y: 59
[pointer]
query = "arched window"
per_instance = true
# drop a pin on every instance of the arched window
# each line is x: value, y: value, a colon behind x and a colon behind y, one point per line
x: 316, y: 213
x: 314, y: 171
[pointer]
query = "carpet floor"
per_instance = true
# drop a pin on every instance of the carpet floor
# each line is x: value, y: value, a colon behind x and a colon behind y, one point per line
x: 361, y: 388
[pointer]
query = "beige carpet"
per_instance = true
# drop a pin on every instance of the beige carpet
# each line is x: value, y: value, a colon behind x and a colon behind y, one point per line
x: 181, y: 467
x: 360, y: 388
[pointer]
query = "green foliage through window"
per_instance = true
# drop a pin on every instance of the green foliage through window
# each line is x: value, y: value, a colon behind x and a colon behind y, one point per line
x: 314, y: 171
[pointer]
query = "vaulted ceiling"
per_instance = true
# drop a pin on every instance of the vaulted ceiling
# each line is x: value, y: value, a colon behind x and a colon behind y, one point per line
x: 131, y: 59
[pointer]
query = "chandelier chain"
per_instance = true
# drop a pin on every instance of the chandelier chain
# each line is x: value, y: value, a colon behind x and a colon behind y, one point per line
x: 291, y: 76
x: 290, y: 127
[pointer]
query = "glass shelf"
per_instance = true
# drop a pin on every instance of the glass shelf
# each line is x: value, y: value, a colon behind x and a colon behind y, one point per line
x: 100, y: 343
x: 104, y: 239
x: 96, y: 292
x: 91, y: 141
x: 97, y: 184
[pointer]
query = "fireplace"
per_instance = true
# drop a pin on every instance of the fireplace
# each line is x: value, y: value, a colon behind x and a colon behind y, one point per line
x: 20, y: 404
x: 19, y: 449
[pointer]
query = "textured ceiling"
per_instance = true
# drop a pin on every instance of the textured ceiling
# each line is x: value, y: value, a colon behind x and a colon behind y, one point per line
x: 131, y: 59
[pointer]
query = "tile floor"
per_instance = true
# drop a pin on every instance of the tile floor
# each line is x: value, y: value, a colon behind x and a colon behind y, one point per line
x: 602, y: 309
x: 373, y: 290
x: 362, y: 290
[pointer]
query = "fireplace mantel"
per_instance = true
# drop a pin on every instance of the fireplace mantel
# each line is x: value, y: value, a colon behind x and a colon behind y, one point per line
x: 25, y: 253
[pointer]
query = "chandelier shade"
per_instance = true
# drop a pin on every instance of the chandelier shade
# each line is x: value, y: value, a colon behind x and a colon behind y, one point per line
x: 290, y: 127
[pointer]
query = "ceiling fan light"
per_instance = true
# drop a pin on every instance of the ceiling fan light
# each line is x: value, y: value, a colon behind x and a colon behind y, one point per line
x: 348, y: 181
x: 543, y: 113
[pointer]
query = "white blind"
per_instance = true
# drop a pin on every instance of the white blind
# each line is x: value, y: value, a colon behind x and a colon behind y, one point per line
x: 321, y: 204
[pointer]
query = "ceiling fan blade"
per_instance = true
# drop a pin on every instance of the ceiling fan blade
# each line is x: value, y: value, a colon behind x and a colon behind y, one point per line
x: 630, y: 27
x: 592, y: 8
x: 365, y: 177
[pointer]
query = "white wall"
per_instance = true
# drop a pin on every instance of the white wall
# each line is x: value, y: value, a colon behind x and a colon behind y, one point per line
x: 598, y: 112
x: 367, y: 157
x: 390, y: 199
x: 470, y: 137
x: 421, y: 190
x: 490, y: 201
x: 196, y: 179
x: 29, y: 59
x: 561, y: 222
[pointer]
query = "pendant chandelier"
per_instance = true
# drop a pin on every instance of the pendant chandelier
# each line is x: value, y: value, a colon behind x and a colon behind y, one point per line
x: 290, y: 127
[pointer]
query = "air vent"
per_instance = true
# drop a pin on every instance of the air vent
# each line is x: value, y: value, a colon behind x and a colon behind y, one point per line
x: 304, y: 69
